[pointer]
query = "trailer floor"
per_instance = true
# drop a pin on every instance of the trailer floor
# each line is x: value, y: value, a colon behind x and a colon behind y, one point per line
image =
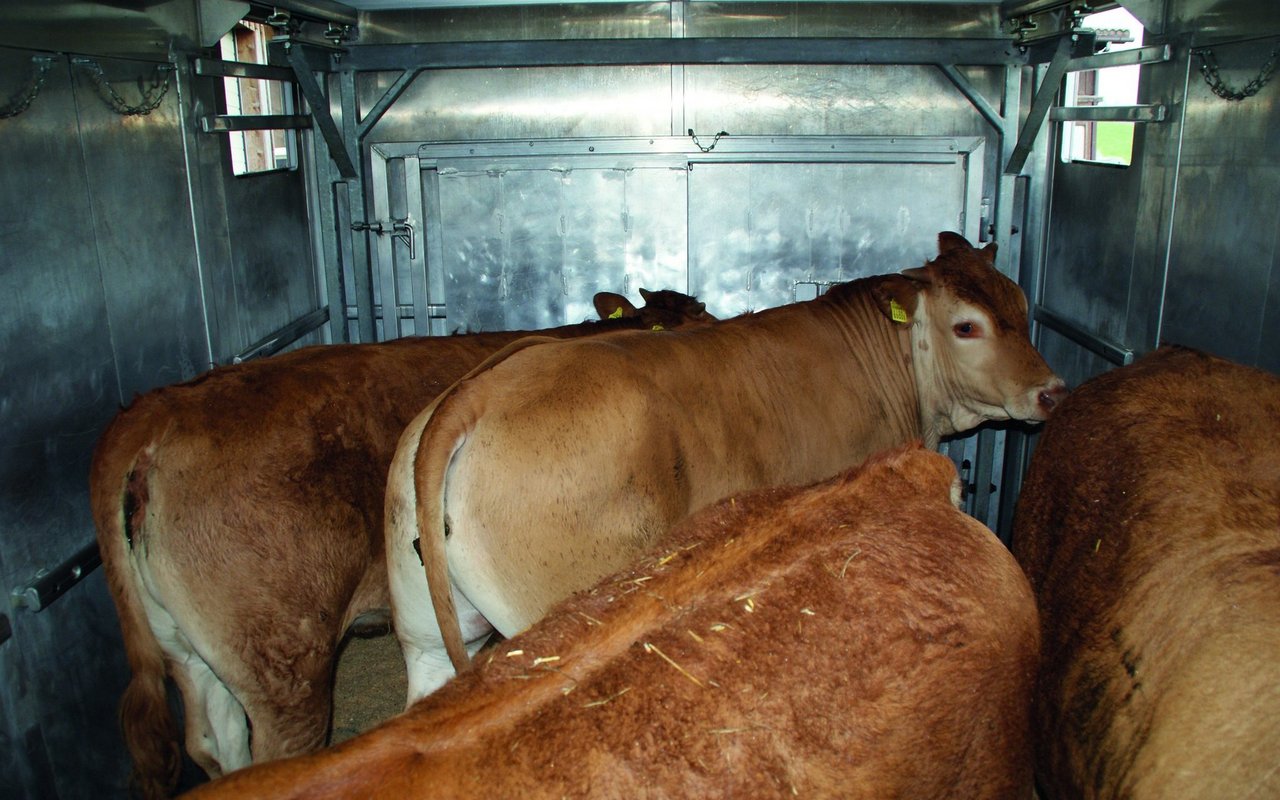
x: 369, y: 686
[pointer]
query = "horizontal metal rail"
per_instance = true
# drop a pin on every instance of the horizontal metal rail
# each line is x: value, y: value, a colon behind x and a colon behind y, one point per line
x: 275, y: 342
x: 49, y: 584
x: 1099, y: 345
x: 690, y: 51
x: 1139, y: 113
x: 1122, y: 58
x: 241, y: 69
x: 226, y: 123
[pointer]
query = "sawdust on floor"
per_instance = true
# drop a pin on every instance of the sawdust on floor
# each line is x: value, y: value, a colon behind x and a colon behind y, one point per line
x: 369, y: 685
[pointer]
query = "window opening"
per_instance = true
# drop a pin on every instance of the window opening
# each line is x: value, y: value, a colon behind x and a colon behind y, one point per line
x: 1099, y: 141
x: 263, y: 150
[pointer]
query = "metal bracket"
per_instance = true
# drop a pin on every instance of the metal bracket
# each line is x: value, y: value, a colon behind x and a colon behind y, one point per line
x: 319, y: 105
x: 1066, y: 49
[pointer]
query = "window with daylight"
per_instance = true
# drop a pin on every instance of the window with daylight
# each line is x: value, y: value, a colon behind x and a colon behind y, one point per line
x: 1104, y: 142
x: 265, y: 150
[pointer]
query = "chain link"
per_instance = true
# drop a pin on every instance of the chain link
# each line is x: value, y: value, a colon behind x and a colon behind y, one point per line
x: 1209, y: 69
x: 21, y: 100
x: 151, y: 97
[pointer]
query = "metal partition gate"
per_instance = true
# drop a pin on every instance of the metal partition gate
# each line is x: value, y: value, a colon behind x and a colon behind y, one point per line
x: 504, y: 235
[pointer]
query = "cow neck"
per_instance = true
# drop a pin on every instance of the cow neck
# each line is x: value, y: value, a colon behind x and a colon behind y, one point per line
x: 932, y: 379
x: 882, y: 354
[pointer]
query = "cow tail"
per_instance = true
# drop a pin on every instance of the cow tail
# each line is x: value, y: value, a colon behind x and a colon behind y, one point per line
x: 442, y: 437
x: 118, y: 490
x: 451, y: 419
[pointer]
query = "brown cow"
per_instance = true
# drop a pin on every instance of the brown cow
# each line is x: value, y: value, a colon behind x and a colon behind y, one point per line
x: 861, y: 638
x: 556, y: 465
x: 240, y: 522
x: 1149, y: 526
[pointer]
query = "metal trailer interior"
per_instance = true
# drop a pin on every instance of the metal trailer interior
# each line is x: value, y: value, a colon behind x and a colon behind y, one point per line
x: 493, y: 166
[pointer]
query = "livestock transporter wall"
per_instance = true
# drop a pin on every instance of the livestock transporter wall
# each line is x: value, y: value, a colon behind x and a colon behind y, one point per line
x: 191, y: 183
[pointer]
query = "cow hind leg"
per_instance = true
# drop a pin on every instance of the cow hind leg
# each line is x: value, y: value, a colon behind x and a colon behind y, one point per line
x: 217, y: 731
x: 426, y: 662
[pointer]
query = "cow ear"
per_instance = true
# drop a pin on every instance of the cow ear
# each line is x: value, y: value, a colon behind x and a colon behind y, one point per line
x: 950, y: 240
x: 610, y: 305
x: 896, y: 296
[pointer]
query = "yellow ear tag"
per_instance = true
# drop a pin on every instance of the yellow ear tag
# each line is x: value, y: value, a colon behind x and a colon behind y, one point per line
x: 616, y: 314
x: 898, y: 313
x: 658, y: 328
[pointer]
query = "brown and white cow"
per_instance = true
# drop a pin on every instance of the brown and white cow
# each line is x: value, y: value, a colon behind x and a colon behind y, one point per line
x: 550, y: 468
x: 1149, y: 525
x: 861, y: 638
x: 239, y: 517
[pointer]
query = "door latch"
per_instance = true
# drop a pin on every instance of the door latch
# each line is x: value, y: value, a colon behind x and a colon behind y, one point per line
x: 401, y: 229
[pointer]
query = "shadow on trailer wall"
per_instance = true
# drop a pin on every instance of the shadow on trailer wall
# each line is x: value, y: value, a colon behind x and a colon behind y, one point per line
x: 487, y: 194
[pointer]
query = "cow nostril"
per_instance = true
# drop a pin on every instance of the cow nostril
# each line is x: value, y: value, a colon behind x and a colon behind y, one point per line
x: 1048, y: 398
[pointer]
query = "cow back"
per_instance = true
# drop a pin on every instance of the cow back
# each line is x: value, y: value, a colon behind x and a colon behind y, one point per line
x: 1149, y: 526
x: 857, y: 639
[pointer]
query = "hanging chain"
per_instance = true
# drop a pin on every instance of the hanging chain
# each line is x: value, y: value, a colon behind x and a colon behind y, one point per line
x: 21, y: 100
x: 150, y: 97
x: 1209, y: 69
x: 710, y: 147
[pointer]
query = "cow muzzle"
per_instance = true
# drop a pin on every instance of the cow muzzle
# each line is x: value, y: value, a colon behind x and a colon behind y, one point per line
x: 1049, y: 396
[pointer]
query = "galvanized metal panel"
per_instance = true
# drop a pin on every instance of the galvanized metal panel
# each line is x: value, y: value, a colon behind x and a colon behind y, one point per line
x: 571, y: 21
x: 1090, y: 252
x: 462, y: 105
x: 1227, y: 213
x: 150, y: 251
x: 881, y: 19
x: 528, y: 248
x: 758, y: 229
x: 61, y: 673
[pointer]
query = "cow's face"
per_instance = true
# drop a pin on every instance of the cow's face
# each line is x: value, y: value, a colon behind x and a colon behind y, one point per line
x: 973, y: 359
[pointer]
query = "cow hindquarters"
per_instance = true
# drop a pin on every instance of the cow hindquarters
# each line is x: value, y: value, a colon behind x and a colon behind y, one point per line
x: 414, y: 616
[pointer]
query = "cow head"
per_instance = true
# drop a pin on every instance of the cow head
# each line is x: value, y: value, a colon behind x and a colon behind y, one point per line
x: 663, y: 308
x: 971, y: 353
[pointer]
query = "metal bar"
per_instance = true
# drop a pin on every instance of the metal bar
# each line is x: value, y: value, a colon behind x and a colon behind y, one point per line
x: 50, y: 584
x: 319, y: 105
x: 975, y: 97
x: 732, y: 148
x: 225, y: 123
x: 418, y: 255
x: 361, y: 257
x: 1122, y: 58
x: 636, y: 52
x: 385, y: 102
x: 1040, y: 105
x: 241, y: 69
x: 275, y: 342
x: 1115, y: 353
x: 382, y: 248
x: 1139, y: 113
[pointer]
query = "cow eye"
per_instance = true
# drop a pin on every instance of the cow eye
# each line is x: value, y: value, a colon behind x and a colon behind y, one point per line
x: 966, y: 330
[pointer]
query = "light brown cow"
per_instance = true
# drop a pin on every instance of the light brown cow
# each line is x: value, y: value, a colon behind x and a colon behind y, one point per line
x: 240, y: 522
x: 1149, y: 526
x: 861, y: 638
x: 555, y: 466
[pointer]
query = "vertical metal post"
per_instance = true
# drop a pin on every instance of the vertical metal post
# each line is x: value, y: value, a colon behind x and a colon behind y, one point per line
x: 361, y: 265
x: 187, y: 131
